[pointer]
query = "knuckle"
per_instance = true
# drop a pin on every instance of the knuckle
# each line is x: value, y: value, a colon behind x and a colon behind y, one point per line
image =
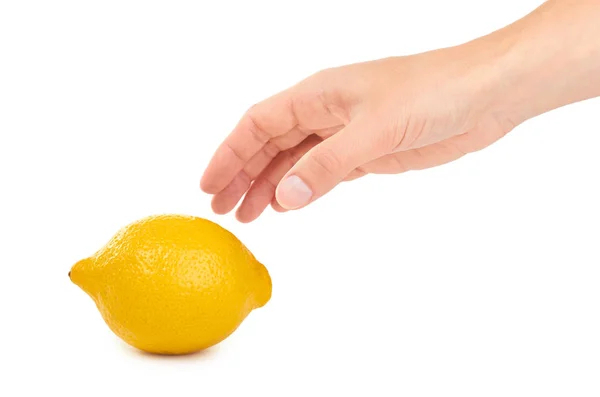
x: 326, y: 161
x: 271, y: 150
x: 401, y: 166
x: 237, y: 153
x: 255, y: 128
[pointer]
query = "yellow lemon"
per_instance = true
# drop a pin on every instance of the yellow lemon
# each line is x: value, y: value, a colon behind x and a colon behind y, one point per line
x: 173, y: 284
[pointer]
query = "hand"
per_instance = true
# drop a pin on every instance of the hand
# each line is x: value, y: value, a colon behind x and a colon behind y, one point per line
x: 405, y: 113
x: 382, y: 117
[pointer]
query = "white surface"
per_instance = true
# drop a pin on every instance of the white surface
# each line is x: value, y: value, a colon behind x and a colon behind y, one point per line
x: 479, y: 278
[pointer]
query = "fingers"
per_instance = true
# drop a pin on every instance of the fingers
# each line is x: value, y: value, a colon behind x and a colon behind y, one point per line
x: 301, y: 106
x: 262, y: 192
x: 226, y: 200
x: 328, y: 163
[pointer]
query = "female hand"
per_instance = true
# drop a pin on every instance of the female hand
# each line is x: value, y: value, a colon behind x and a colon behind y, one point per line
x: 405, y: 113
x: 382, y: 117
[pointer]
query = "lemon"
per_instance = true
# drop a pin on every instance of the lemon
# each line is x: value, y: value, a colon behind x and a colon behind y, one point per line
x: 173, y: 284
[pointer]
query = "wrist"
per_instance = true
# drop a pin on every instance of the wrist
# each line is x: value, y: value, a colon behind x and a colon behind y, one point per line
x: 549, y: 59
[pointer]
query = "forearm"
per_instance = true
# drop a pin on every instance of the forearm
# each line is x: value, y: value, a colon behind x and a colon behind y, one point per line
x: 549, y: 59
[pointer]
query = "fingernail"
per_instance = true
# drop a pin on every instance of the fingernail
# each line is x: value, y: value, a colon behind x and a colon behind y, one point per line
x: 293, y: 193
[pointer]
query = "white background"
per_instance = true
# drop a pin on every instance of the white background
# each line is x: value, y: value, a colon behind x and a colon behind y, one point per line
x: 479, y: 278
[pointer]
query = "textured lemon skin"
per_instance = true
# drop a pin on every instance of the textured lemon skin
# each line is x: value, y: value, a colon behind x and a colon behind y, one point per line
x: 173, y: 284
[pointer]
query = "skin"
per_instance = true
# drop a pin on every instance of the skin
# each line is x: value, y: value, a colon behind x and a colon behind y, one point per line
x: 399, y: 114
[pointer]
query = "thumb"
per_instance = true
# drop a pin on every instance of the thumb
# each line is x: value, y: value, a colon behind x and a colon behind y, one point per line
x: 327, y: 164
